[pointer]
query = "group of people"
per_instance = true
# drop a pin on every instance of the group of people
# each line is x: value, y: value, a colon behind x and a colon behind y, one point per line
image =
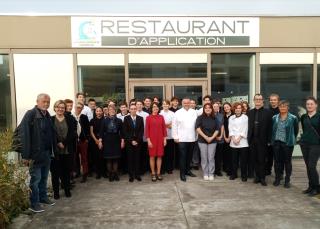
x: 159, y: 136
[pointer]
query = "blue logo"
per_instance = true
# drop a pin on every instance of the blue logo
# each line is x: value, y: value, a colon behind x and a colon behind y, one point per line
x: 87, y: 31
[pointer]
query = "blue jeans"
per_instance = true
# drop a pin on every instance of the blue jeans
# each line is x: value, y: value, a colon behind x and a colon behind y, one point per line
x: 38, y: 183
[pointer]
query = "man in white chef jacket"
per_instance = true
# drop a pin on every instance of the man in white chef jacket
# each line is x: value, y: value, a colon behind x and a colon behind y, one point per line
x: 183, y: 132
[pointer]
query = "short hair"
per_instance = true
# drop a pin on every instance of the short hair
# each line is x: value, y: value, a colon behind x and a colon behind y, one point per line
x: 123, y: 103
x: 80, y: 93
x: 132, y: 104
x: 284, y: 102
x: 91, y: 100
x: 274, y: 95
x: 258, y: 94
x: 57, y: 103
x: 236, y: 104
x: 207, y: 97
x: 42, y: 95
x: 112, y: 107
x: 132, y: 101
x: 193, y: 100
x: 147, y: 98
x: 68, y: 101
x: 139, y: 101
x: 80, y: 104
x: 175, y: 98
x: 312, y: 99
x: 166, y: 101
x: 98, y: 107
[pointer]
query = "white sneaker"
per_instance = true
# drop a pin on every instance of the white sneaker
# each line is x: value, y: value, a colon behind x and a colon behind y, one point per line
x: 206, y: 178
x: 211, y: 178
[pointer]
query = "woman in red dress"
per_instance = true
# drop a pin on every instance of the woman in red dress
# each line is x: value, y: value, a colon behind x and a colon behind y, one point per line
x: 156, y: 133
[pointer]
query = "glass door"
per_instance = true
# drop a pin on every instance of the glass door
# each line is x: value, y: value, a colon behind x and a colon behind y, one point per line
x: 141, y: 90
x: 192, y: 90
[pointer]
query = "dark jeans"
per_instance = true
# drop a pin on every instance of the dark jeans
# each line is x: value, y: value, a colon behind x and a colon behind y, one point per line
x: 226, y: 158
x: 168, y: 159
x: 186, y: 153
x: 259, y: 152
x: 269, y: 160
x: 218, y: 158
x: 124, y: 161
x: 311, y: 154
x: 176, y: 156
x: 134, y: 157
x: 282, y: 159
x: 241, y: 153
x: 60, y: 169
x: 38, y: 183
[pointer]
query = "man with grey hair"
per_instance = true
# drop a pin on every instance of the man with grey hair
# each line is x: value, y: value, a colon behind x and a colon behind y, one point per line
x: 37, y: 143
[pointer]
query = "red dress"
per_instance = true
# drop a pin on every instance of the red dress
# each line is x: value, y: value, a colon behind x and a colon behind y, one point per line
x: 156, y: 130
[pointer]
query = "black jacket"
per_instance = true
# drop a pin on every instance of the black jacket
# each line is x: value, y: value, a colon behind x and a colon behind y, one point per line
x: 130, y: 133
x: 265, y: 125
x: 37, y: 141
x: 71, y: 135
x: 85, y: 128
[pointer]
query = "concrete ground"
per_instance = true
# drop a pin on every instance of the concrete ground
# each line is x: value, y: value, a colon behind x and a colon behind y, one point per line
x: 174, y: 204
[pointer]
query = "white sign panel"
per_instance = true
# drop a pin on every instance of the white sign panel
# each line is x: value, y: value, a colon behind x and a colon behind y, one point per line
x: 163, y: 32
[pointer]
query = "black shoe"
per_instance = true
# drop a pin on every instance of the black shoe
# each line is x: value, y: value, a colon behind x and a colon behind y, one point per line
x: 131, y: 179
x: 190, y: 174
x: 287, y: 185
x: 256, y: 180
x: 67, y: 193
x: 84, y: 179
x: 56, y: 196
x: 244, y: 179
x: 98, y: 177
x: 138, y: 178
x: 314, y: 192
x: 263, y: 182
x: 219, y: 174
x: 307, y: 191
x: 232, y: 177
x: 276, y: 182
x: 111, y: 177
x: 183, y: 178
x: 116, y: 177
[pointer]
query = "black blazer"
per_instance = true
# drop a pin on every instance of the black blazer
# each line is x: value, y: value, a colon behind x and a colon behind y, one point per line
x: 129, y: 132
x: 71, y: 135
x: 85, y: 128
x: 265, y: 125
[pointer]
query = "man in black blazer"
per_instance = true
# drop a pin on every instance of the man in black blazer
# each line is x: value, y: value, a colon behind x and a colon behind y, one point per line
x: 133, y: 130
x: 259, y: 137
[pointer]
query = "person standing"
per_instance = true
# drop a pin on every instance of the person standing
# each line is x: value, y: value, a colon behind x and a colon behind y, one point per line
x: 174, y: 104
x: 37, y: 143
x: 81, y: 98
x: 123, y: 160
x: 83, y: 133
x: 274, y: 100
x: 168, y: 164
x: 147, y: 105
x: 183, y: 132
x: 259, y: 137
x: 156, y: 134
x: 110, y: 139
x: 310, y: 144
x: 238, y: 131
x: 226, y: 157
x: 219, y: 139
x: 95, y: 127
x: 65, y: 133
x: 133, y: 129
x: 207, y: 127
x: 284, y: 132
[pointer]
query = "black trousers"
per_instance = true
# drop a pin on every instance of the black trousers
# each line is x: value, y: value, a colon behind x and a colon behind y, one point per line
x: 241, y: 153
x: 60, y: 170
x: 176, y: 156
x: 226, y: 158
x: 218, y: 158
x: 134, y: 158
x: 282, y: 159
x: 258, y: 153
x: 269, y: 160
x: 144, y: 158
x: 186, y: 153
x: 311, y: 154
x: 91, y: 159
x: 124, y: 161
x: 99, y: 161
x: 168, y: 159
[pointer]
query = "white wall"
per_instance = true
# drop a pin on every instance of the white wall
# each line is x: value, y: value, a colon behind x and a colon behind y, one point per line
x: 42, y: 73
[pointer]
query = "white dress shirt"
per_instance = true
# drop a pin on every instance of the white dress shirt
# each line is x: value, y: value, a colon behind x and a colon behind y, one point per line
x: 183, y: 125
x: 238, y: 126
x: 168, y: 118
x: 88, y: 112
x: 121, y: 116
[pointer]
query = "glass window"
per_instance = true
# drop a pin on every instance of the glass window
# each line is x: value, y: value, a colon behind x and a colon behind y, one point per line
x: 232, y: 76
x: 5, y: 94
x: 141, y: 92
x: 167, y: 70
x: 193, y: 92
x: 291, y: 82
x: 102, y: 82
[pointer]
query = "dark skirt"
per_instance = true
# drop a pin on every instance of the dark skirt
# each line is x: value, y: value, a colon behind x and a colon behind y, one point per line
x: 111, y: 146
